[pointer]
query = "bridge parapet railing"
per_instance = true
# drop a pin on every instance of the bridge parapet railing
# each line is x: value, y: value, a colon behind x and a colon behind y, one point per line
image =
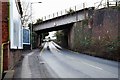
x: 65, y: 11
x: 97, y: 5
x: 106, y: 3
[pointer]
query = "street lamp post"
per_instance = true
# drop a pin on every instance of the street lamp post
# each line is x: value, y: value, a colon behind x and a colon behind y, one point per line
x: 32, y: 22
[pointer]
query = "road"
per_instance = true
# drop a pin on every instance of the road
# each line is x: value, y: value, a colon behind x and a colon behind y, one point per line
x: 68, y: 64
x: 56, y: 62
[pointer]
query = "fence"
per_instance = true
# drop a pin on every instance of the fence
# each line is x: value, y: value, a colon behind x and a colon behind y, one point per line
x: 106, y: 3
x: 65, y: 11
x: 97, y: 5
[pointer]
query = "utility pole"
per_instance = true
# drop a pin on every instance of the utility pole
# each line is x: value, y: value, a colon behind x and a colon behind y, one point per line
x: 32, y: 25
x: 108, y: 3
x: 116, y: 2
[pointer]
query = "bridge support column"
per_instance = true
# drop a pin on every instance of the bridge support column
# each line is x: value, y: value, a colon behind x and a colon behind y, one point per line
x: 39, y: 40
x: 70, y: 37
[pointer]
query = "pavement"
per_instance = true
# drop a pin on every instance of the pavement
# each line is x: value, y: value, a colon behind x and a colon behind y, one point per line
x: 32, y: 66
x: 9, y: 74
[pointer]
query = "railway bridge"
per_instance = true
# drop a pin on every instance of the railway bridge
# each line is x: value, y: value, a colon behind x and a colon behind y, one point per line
x: 64, y: 21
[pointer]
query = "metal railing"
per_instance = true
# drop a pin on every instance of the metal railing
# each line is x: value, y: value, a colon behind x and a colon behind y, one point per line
x: 64, y: 12
x: 97, y: 5
x: 106, y: 3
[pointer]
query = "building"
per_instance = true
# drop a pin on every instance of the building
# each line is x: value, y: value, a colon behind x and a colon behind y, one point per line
x: 10, y: 34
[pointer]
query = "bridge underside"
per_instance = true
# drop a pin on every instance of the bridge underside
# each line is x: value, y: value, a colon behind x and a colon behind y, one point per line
x: 56, y: 28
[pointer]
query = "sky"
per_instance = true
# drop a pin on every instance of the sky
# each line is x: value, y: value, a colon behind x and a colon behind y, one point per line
x: 47, y: 7
x: 52, y: 6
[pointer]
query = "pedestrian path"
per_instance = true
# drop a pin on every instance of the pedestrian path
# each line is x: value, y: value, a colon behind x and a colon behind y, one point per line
x: 32, y: 66
x: 26, y: 72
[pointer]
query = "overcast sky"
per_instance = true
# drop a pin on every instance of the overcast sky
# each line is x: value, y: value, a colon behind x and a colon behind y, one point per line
x: 52, y: 6
x: 47, y: 7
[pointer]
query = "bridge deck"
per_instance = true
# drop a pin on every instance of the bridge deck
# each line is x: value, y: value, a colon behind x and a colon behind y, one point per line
x: 63, y: 20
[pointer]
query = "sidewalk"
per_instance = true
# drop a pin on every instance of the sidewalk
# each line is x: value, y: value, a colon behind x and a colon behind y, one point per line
x: 9, y: 75
x: 32, y: 66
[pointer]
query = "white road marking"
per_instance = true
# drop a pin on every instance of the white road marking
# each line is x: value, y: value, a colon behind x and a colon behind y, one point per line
x: 81, y: 61
x: 92, y: 65
x: 30, y: 54
x: 57, y: 45
x: 57, y: 50
x: 84, y: 63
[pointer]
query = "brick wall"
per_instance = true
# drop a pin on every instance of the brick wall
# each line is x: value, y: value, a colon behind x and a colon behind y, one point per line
x: 0, y: 34
x: 105, y: 23
x: 5, y: 34
x: 5, y: 29
x: 5, y: 56
x: 98, y: 35
x: 14, y: 57
x: 10, y: 57
x: 0, y: 23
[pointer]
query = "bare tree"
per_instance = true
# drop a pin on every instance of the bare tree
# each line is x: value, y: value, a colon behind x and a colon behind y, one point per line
x: 26, y: 13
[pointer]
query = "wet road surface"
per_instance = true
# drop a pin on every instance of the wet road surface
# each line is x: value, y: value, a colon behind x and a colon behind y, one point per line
x: 56, y: 62
x: 68, y: 64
